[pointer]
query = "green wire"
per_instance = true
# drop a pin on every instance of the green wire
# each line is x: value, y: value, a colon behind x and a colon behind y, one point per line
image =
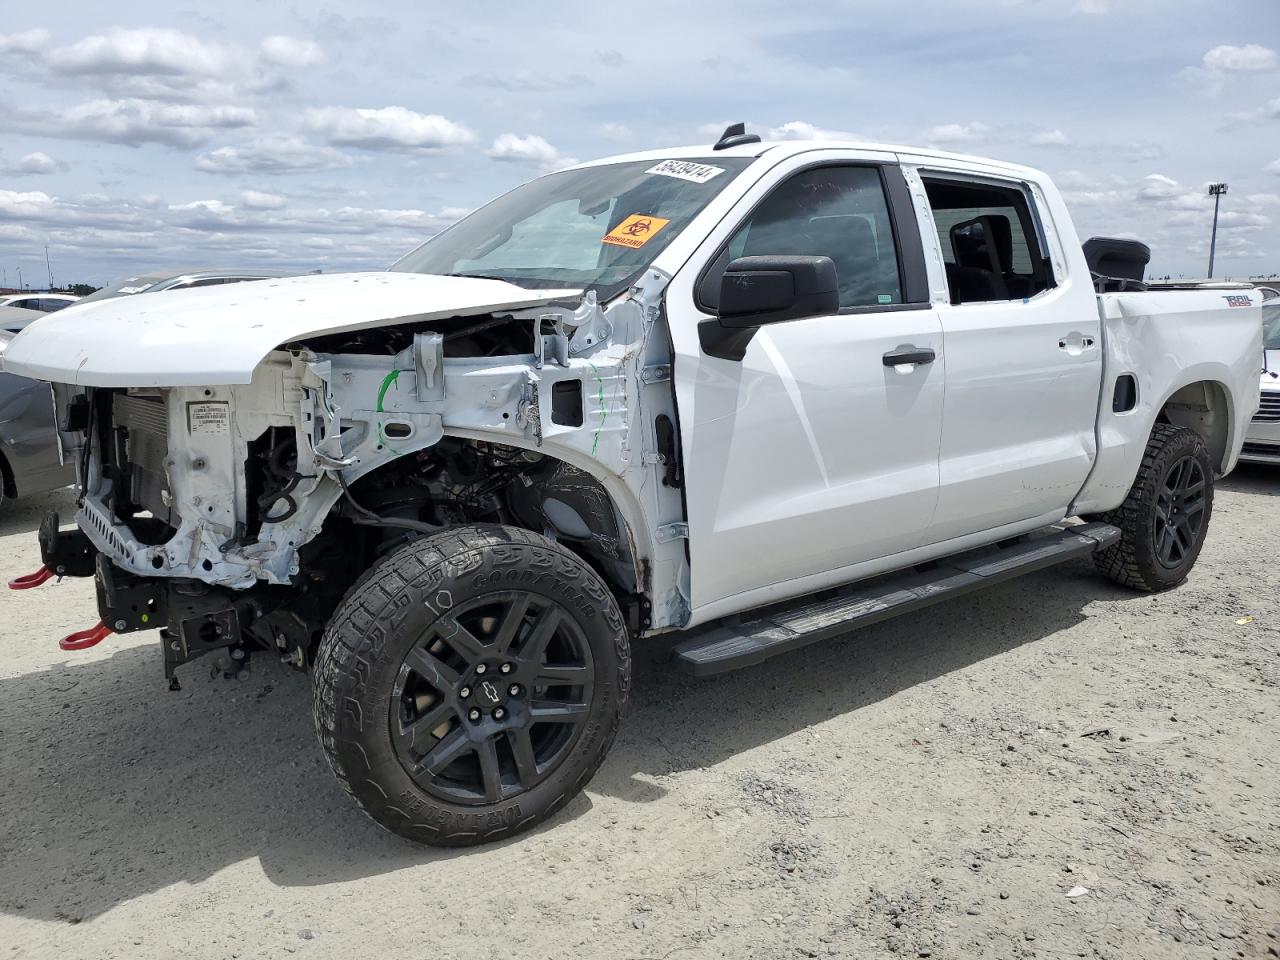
x: 604, y: 414
x: 390, y: 379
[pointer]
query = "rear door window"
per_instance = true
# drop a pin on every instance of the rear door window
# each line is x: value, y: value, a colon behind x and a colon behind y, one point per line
x: 990, y: 241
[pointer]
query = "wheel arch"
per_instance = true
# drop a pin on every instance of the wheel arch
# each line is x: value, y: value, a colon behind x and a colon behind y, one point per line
x: 635, y: 544
x: 1203, y: 406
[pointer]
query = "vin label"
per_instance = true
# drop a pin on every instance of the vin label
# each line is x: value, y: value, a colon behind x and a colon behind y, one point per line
x: 208, y: 419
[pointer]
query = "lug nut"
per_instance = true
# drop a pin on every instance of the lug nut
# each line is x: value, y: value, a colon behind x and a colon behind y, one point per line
x: 507, y: 668
x: 464, y: 692
x: 499, y: 714
x: 474, y: 714
x: 514, y: 690
x: 481, y: 669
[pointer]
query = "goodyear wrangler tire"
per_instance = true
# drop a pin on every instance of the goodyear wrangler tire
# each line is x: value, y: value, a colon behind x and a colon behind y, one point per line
x: 470, y: 684
x: 1165, y: 518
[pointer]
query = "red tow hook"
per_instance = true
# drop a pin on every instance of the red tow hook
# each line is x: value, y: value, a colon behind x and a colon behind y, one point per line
x: 31, y: 579
x: 84, y: 639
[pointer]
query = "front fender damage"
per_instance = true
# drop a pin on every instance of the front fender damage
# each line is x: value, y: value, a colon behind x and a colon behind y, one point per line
x: 584, y: 395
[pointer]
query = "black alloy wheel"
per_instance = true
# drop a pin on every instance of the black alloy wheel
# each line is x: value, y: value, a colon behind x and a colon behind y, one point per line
x: 1164, y: 519
x: 470, y: 684
x: 1180, y: 512
x: 491, y: 698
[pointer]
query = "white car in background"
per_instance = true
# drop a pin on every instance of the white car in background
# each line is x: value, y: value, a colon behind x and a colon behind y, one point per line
x: 1262, y: 443
x: 42, y: 302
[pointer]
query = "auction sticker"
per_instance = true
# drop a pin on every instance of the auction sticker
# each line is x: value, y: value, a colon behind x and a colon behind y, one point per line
x: 635, y: 231
x: 686, y: 170
x: 208, y: 419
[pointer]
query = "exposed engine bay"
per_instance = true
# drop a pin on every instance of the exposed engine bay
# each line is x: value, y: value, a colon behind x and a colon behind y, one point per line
x: 238, y: 515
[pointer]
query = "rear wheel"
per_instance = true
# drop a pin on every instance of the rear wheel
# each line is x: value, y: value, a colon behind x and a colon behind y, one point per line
x: 1165, y: 518
x: 471, y: 683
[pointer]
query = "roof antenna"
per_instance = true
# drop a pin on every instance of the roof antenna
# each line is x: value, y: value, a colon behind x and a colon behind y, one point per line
x: 735, y: 135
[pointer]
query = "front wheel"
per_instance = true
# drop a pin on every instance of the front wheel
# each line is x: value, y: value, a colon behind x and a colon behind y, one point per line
x: 1165, y: 518
x: 471, y: 683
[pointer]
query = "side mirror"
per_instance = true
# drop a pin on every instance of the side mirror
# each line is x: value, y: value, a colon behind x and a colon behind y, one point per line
x: 759, y: 290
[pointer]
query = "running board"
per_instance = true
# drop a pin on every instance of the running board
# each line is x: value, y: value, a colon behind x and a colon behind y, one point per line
x: 721, y: 647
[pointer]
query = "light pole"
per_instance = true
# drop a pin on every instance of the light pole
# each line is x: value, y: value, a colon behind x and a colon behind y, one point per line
x: 1216, y: 190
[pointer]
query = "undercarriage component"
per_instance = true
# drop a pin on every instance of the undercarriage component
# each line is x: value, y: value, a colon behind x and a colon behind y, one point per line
x: 67, y: 553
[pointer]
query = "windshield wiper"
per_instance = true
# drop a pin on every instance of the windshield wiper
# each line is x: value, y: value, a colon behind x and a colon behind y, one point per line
x: 480, y: 276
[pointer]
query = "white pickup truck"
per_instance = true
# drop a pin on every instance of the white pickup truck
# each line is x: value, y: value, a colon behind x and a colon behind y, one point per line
x: 760, y: 394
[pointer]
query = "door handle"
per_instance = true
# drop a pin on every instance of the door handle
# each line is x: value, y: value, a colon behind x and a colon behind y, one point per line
x: 1075, y: 343
x: 908, y: 356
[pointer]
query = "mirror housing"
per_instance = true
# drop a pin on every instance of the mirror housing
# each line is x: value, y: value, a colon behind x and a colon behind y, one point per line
x: 755, y: 291
x: 758, y: 290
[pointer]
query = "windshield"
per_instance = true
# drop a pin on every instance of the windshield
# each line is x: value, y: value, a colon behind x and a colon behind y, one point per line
x: 597, y: 227
x: 1271, y: 325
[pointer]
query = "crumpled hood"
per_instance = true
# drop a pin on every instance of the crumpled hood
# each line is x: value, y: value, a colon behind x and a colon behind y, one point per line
x: 217, y: 335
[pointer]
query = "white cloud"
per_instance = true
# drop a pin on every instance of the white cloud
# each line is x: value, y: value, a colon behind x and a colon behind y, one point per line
x: 533, y: 150
x: 615, y: 132
x: 1156, y: 186
x: 29, y: 42
x: 258, y: 200
x: 1227, y: 219
x: 1050, y: 138
x: 1092, y: 6
x: 287, y: 51
x: 1249, y: 57
x: 151, y: 62
x: 1274, y: 167
x: 958, y: 132
x: 275, y: 156
x: 802, y: 130
x: 133, y: 122
x: 387, y: 128
x: 32, y: 163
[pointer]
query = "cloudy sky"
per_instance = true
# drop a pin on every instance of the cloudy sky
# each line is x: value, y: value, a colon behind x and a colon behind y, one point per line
x: 136, y: 135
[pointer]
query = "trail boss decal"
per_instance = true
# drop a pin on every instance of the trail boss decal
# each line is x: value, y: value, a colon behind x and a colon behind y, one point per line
x: 635, y: 231
x: 686, y: 170
x: 1236, y: 300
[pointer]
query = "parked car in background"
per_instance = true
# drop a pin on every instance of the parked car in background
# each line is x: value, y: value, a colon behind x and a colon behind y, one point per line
x: 29, y: 458
x: 160, y: 280
x: 40, y: 302
x: 1262, y: 444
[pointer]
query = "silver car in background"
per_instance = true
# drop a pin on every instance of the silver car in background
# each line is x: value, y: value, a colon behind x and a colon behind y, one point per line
x: 29, y: 458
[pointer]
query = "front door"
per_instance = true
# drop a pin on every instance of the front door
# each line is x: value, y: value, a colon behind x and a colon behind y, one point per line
x: 813, y: 452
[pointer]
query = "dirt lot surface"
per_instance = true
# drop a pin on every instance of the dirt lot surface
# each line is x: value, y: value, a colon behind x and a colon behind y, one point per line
x: 935, y: 786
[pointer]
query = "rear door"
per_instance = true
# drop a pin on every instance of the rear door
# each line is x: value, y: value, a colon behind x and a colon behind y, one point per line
x: 809, y: 453
x: 1024, y: 357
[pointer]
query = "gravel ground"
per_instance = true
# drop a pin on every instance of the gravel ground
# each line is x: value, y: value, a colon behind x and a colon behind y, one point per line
x: 935, y: 786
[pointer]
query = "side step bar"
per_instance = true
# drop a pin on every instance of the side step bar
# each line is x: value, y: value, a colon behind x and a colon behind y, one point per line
x: 721, y: 647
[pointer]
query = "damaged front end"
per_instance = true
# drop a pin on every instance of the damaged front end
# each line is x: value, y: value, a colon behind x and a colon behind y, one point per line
x: 237, y: 515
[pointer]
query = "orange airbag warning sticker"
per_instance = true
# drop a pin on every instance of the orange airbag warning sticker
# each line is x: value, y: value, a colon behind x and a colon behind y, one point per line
x: 635, y: 231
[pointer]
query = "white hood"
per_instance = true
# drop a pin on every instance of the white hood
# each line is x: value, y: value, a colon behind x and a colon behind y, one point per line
x: 217, y: 335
